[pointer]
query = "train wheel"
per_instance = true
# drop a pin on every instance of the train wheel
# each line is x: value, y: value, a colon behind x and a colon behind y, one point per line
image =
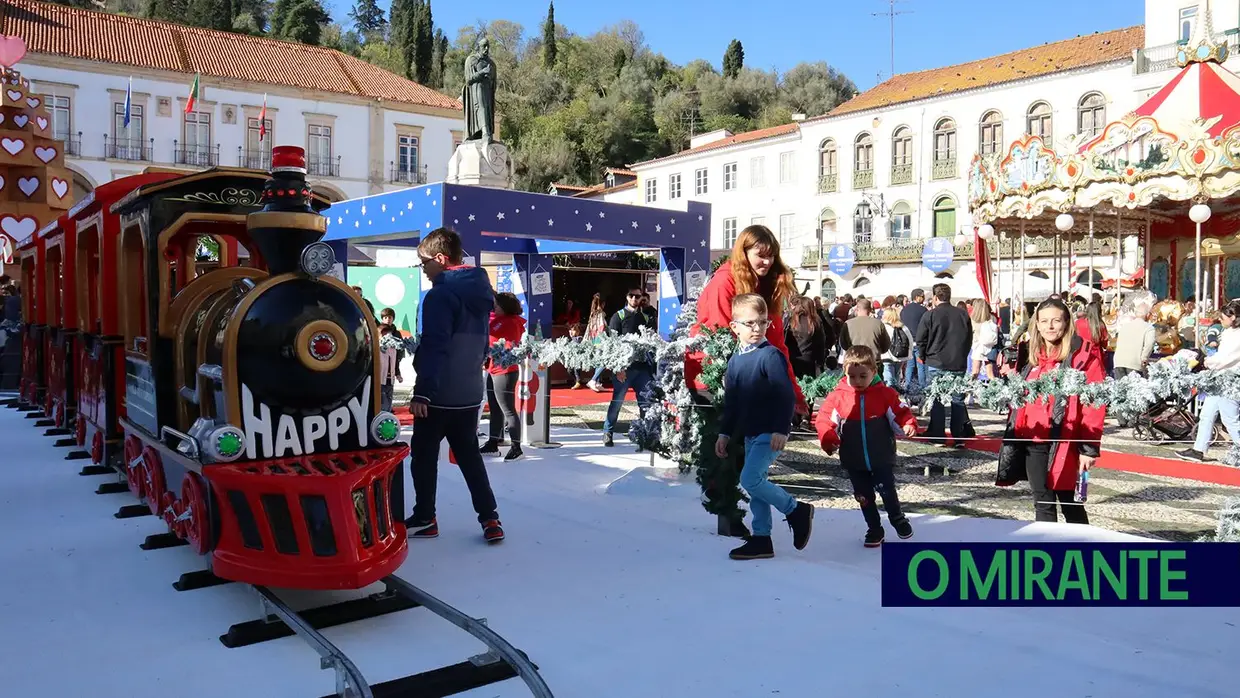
x: 81, y: 429
x: 193, y: 519
x: 168, y: 510
x: 153, y: 468
x: 96, y: 448
x: 133, y: 470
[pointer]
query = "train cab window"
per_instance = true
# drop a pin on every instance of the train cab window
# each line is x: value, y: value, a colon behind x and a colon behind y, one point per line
x: 133, y: 288
x: 52, y: 285
x: 88, y: 271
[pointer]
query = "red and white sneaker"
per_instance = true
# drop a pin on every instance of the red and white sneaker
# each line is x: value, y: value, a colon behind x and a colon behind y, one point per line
x: 492, y: 531
x: 421, y: 529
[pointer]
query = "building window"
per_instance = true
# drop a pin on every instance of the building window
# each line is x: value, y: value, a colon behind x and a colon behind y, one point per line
x: 863, y: 224
x: 944, y: 217
x: 319, y: 149
x: 785, y: 228
x: 59, y: 107
x: 133, y: 133
x: 757, y: 172
x: 829, y: 224
x: 1188, y: 22
x: 729, y: 232
x: 652, y: 190
x: 787, y: 167
x: 1091, y: 114
x: 902, y: 156
x: 901, y: 221
x: 1039, y: 122
x: 758, y: 220
x: 863, y: 161
x: 991, y: 132
x: 673, y: 186
x: 196, y: 145
x: 729, y: 176
x: 699, y: 182
x: 408, y: 162
x: 257, y: 150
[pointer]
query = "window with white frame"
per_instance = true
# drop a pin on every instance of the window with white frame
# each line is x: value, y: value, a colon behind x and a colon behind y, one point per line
x: 757, y: 220
x: 319, y: 140
x: 1091, y: 114
x: 196, y: 148
x: 699, y: 182
x: 257, y: 145
x: 785, y: 228
x: 787, y: 167
x: 901, y: 221
x: 1188, y: 22
x: 863, y: 224
x: 757, y: 172
x: 1039, y: 122
x: 729, y: 176
x: 408, y: 162
x: 652, y: 190
x: 991, y: 132
x: 673, y: 186
x: 59, y: 107
x: 729, y: 232
x: 132, y: 134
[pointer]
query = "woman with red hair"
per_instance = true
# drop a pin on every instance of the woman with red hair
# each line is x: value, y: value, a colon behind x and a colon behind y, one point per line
x: 753, y: 267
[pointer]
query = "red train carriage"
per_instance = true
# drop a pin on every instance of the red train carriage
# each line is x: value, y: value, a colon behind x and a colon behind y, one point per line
x: 60, y: 334
x: 32, y: 390
x: 250, y: 412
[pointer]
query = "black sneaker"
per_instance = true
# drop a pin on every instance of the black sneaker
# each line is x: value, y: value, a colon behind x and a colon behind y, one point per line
x: 607, y: 440
x: 801, y: 521
x: 756, y: 548
x: 1192, y: 454
x: 904, y: 529
x: 513, y: 453
x: 421, y: 529
x: 490, y: 447
x: 874, y: 537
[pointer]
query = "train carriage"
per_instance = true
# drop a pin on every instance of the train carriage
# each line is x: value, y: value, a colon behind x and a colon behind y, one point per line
x: 60, y: 333
x: 32, y: 390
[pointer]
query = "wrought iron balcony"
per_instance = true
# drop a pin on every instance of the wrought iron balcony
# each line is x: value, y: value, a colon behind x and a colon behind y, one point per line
x: 828, y: 183
x: 405, y: 174
x: 134, y: 149
x: 73, y: 143
x: 863, y: 179
x: 254, y: 159
x: 1156, y: 58
x: 323, y: 167
x: 196, y: 155
x: 944, y: 168
x: 902, y: 174
x: 892, y: 251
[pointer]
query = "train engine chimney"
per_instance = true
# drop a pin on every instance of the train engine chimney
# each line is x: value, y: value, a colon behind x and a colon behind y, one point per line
x: 287, y: 230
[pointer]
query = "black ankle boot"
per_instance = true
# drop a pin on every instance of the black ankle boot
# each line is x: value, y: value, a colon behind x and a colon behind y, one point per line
x: 874, y: 537
x: 756, y: 548
x: 513, y: 453
x: 491, y: 446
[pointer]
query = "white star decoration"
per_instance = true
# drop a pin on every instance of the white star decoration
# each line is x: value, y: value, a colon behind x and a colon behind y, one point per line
x: 600, y: 214
x: 550, y: 221
x: 673, y: 221
x: 427, y: 224
x: 532, y: 207
x: 454, y: 198
x: 428, y: 192
x: 540, y: 304
x: 471, y: 216
x: 517, y: 211
x: 357, y: 224
x: 589, y: 227
x: 339, y: 220
x: 658, y: 228
x: 635, y: 225
x: 699, y: 218
x: 456, y: 221
x: 409, y: 205
x: 499, y: 216
x: 702, y: 244
x: 575, y: 212
x: 363, y: 209
x: 383, y: 208
x: 434, y: 202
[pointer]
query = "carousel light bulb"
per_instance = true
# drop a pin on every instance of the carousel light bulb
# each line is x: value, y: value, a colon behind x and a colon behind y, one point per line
x: 986, y: 231
x: 961, y: 239
x: 1199, y: 213
x: 1031, y: 248
x: 1064, y: 222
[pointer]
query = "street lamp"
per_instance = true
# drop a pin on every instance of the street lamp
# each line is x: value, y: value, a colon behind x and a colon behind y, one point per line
x: 1064, y: 222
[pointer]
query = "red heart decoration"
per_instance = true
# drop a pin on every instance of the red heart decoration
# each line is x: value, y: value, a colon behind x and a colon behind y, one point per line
x: 12, y: 50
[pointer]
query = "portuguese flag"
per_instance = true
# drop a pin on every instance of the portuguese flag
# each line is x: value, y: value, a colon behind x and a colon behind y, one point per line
x: 193, y: 95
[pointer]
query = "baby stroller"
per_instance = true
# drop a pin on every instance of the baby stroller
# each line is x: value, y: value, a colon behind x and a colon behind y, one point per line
x: 1170, y: 421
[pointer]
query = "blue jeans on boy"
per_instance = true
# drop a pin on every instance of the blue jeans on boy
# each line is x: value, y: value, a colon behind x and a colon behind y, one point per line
x: 635, y: 378
x: 763, y: 494
x: 916, y: 366
x: 1215, y: 407
x: 962, y: 428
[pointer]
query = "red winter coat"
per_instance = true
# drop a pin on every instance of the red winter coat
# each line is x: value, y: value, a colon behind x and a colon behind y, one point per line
x: 508, y: 328
x: 1074, y: 429
x: 714, y: 309
x: 863, y: 424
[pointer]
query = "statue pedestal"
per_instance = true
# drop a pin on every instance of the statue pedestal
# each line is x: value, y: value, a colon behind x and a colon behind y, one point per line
x: 478, y: 164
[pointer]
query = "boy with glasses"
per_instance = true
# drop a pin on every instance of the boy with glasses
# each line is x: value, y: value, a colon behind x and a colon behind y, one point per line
x: 629, y: 320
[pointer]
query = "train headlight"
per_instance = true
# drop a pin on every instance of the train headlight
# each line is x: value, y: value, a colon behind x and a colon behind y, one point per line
x: 318, y: 259
x: 226, y: 444
x: 385, y: 428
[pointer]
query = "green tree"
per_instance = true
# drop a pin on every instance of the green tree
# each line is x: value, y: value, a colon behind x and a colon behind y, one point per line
x: 168, y: 10
x: 279, y: 14
x: 733, y: 59
x: 258, y: 13
x: 304, y: 22
x: 402, y: 20
x: 548, y: 38
x: 423, y: 58
x: 209, y: 14
x: 367, y: 17
x: 439, y: 55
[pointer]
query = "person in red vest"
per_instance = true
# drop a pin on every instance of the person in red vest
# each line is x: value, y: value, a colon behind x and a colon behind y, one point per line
x: 753, y: 267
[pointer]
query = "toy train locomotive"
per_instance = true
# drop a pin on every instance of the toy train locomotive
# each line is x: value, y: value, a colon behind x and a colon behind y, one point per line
x: 240, y: 401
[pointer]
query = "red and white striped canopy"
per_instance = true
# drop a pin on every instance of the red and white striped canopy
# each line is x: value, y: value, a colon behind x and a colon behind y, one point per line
x: 1200, y: 91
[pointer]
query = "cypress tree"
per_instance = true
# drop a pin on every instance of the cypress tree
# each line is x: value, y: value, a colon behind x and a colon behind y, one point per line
x: 439, y: 57
x: 424, y: 43
x: 733, y: 59
x: 548, y: 37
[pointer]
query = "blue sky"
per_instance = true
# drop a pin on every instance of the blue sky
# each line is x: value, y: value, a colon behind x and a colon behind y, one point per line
x: 780, y: 34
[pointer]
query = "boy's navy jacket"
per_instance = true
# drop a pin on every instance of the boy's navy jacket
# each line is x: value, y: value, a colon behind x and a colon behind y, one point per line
x: 863, y: 424
x: 456, y: 316
x: 758, y: 397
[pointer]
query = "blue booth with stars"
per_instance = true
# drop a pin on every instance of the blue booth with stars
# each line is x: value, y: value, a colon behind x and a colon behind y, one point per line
x: 533, y: 227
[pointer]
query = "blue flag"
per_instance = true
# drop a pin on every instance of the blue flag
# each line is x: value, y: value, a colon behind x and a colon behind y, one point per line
x: 128, y: 102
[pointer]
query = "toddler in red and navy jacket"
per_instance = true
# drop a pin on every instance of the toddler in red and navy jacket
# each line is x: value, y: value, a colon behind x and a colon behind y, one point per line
x: 861, y: 419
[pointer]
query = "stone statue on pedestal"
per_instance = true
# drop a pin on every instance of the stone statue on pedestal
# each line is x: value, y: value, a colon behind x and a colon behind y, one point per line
x: 481, y: 159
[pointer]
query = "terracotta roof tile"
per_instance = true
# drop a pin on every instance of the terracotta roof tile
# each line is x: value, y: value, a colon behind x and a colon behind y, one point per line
x: 737, y: 139
x: 599, y: 189
x: 620, y: 171
x: 570, y: 187
x: 144, y: 43
x: 1073, y: 53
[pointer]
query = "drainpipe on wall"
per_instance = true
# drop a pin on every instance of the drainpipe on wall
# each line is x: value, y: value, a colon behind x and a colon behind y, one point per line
x: 921, y: 138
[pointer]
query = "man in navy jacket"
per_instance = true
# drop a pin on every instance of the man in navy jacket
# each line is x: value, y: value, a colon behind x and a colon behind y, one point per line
x: 449, y: 387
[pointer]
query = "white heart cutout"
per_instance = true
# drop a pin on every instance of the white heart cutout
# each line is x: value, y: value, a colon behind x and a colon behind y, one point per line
x: 28, y: 185
x: 59, y: 187
x: 18, y: 228
x: 2, y: 182
x: 13, y: 146
x: 20, y: 120
x: 14, y: 95
x: 45, y: 154
x: 33, y: 102
x: 1, y: 118
x: 42, y: 123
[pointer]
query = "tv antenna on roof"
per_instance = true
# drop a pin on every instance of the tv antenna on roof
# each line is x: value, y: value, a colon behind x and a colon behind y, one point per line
x: 890, y: 14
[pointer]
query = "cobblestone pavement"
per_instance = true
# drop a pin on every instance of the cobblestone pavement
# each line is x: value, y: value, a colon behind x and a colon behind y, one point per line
x: 937, y: 480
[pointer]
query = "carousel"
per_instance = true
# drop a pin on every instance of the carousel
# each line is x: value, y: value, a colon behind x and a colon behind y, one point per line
x: 1156, y: 192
